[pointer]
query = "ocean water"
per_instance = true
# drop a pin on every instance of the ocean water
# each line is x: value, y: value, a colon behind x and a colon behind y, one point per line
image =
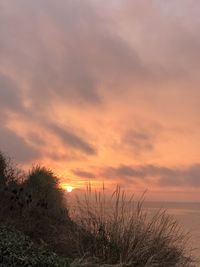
x: 188, y: 215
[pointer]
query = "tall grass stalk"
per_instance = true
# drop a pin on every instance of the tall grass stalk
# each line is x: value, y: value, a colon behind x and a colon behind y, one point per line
x: 118, y: 230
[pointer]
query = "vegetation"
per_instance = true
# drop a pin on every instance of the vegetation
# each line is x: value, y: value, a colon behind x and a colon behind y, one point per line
x: 102, y: 230
x: 118, y: 230
x: 18, y: 250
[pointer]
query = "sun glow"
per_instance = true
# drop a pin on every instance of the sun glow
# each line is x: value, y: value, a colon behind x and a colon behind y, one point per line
x: 69, y: 189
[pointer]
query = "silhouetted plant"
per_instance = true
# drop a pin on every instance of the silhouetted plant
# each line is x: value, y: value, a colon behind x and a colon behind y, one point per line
x: 45, y: 191
x: 35, y: 205
x: 43, y: 212
x: 119, y: 231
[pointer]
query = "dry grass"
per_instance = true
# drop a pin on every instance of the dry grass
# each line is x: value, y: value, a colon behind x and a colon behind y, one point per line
x: 119, y: 230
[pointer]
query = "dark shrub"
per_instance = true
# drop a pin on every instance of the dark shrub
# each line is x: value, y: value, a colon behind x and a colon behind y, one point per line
x: 45, y: 215
x: 17, y: 250
x: 45, y: 192
x: 37, y: 206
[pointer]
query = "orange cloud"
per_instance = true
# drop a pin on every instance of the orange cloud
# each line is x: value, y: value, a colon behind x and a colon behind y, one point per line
x: 103, y: 91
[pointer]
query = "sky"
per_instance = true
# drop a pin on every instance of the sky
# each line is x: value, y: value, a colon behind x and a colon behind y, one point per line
x: 104, y: 91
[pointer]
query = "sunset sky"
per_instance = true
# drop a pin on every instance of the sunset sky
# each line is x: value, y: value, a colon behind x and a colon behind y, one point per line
x: 104, y: 90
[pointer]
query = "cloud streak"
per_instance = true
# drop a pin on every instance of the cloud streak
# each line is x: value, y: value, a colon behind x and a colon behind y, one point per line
x: 72, y: 140
x: 156, y: 175
x: 150, y: 175
x: 17, y: 147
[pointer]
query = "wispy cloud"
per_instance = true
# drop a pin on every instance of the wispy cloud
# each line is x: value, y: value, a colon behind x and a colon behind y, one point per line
x: 17, y: 147
x: 71, y: 139
x: 83, y: 174
x: 100, y: 83
x: 149, y: 175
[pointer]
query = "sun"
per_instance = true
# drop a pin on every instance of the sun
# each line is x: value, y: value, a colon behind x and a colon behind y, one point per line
x: 69, y: 189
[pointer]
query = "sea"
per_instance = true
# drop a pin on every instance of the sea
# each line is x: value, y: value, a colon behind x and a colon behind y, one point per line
x: 187, y: 215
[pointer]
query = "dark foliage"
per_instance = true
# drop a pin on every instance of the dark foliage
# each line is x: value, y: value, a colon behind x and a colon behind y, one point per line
x: 18, y: 250
x: 37, y: 206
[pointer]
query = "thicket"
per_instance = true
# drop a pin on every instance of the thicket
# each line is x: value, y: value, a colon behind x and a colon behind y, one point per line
x: 34, y: 204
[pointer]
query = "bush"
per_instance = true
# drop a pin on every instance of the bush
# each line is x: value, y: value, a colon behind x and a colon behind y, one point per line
x: 44, y: 188
x: 46, y: 218
x: 37, y: 207
x: 118, y: 230
x: 17, y: 250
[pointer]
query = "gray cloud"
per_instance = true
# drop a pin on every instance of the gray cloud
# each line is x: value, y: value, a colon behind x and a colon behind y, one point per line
x: 139, y: 141
x: 70, y: 139
x: 182, y: 177
x: 64, y: 56
x: 83, y: 174
x: 174, y: 44
x: 153, y: 174
x: 138, y: 172
x: 16, y: 147
x: 71, y: 51
x: 10, y: 142
x: 9, y: 95
x: 122, y: 171
x: 36, y: 139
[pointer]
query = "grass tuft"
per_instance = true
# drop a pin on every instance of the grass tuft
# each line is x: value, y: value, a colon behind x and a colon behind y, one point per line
x: 118, y: 230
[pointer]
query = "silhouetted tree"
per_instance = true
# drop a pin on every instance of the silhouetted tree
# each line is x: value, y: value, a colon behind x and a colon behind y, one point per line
x: 9, y: 174
x: 3, y: 170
